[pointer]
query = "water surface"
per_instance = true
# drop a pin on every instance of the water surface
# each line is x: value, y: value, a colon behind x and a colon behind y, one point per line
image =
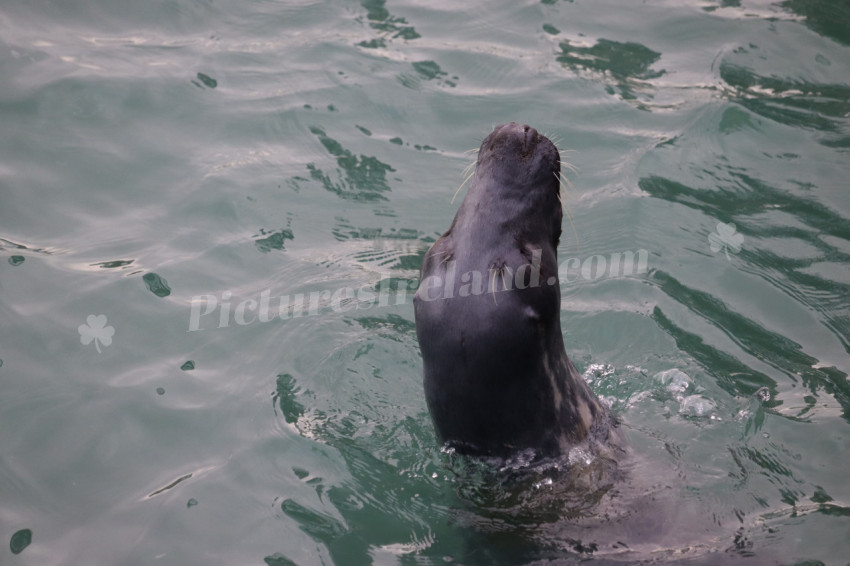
x: 152, y: 153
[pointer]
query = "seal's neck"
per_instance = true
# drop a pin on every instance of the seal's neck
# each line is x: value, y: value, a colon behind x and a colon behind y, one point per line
x: 499, y: 208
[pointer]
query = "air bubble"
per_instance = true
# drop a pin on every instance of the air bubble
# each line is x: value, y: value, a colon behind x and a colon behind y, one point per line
x: 677, y: 381
x: 697, y: 406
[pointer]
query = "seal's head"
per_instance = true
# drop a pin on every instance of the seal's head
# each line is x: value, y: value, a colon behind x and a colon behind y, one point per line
x: 520, y: 168
x: 513, y: 149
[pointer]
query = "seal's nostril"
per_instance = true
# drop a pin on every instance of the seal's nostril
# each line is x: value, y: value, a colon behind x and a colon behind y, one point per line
x: 526, y: 128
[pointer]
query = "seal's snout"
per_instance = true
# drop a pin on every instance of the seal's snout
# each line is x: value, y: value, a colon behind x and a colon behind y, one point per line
x: 522, y: 131
x: 518, y: 137
x: 518, y: 142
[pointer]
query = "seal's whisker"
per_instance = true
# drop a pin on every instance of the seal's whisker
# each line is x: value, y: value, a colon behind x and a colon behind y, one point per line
x: 573, y: 226
x: 569, y: 166
x: 561, y: 188
x: 563, y: 181
x: 554, y: 138
x: 493, y: 287
x: 468, y: 177
x: 473, y: 150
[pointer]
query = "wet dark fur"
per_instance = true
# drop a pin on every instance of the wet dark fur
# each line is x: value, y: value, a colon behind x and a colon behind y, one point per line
x: 497, y: 376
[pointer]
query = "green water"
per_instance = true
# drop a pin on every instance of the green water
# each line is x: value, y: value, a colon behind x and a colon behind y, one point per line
x: 152, y: 153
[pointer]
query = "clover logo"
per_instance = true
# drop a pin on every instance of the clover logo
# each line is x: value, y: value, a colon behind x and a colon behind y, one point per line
x: 726, y: 238
x: 96, y: 329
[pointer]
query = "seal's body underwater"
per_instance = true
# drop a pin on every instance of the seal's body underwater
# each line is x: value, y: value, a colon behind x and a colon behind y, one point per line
x: 497, y: 376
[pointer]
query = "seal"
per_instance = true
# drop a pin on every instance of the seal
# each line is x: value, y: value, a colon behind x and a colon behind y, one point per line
x: 497, y: 377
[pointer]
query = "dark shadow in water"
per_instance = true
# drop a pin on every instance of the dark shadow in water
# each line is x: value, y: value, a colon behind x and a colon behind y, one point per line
x: 275, y: 240
x: 429, y: 71
x: 391, y: 249
x: 344, y: 230
x: 285, y: 397
x: 481, y: 512
x: 830, y: 18
x: 796, y: 103
x: 381, y: 506
x: 751, y: 197
x: 735, y: 377
x: 391, y: 326
x: 364, y: 177
x: 385, y: 24
x: 767, y: 346
x: 628, y: 63
x: 723, y: 4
